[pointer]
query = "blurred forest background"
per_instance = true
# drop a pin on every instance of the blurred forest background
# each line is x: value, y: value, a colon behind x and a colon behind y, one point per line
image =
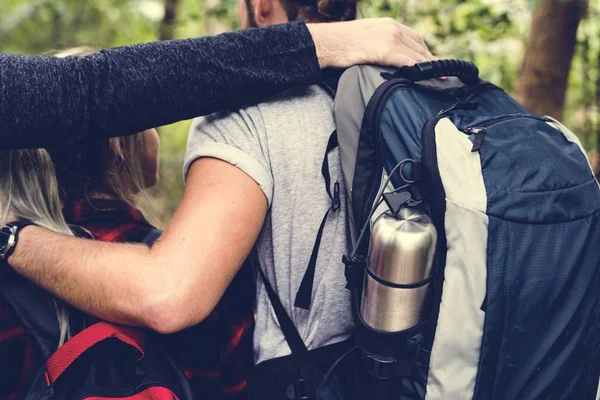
x: 545, y: 52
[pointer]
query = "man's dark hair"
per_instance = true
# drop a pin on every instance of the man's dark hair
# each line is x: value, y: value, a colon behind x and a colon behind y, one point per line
x: 313, y: 11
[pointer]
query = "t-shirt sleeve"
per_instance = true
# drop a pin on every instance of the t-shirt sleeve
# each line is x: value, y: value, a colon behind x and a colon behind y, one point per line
x: 238, y: 138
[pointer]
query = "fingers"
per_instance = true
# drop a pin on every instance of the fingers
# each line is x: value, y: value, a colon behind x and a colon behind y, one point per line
x: 398, y: 60
x: 415, y: 50
x: 416, y: 41
x: 406, y: 47
x: 401, y: 56
x: 412, y: 40
x: 382, y: 41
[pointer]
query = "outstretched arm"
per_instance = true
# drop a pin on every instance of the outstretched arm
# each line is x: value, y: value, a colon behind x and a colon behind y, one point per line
x: 121, y: 91
x: 174, y: 284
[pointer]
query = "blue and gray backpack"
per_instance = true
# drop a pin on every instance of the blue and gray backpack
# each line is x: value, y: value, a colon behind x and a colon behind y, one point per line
x: 514, y: 299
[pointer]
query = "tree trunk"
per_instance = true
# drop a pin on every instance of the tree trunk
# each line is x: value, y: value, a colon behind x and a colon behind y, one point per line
x: 167, y: 26
x: 546, y: 64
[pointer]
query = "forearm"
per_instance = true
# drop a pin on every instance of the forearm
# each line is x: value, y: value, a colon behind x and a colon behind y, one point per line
x: 45, y: 101
x: 115, y: 282
x: 121, y: 91
x: 171, y: 286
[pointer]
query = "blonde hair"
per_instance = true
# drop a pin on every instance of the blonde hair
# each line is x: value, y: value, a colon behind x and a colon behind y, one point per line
x: 107, y: 166
x: 29, y: 190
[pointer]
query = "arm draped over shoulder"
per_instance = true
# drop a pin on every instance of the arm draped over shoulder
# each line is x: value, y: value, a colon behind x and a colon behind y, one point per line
x: 122, y: 91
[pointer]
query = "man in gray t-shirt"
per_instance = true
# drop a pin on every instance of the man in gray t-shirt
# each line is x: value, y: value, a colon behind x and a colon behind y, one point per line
x: 280, y: 145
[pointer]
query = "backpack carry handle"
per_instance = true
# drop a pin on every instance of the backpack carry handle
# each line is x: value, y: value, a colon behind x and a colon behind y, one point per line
x: 60, y: 361
x: 464, y: 70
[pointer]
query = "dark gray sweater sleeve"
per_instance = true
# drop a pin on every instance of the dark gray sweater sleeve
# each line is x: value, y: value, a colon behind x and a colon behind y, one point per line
x: 121, y: 91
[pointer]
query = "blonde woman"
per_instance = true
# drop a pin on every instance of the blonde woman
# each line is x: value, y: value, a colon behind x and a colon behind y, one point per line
x: 102, y: 186
x: 101, y: 196
x: 34, y: 325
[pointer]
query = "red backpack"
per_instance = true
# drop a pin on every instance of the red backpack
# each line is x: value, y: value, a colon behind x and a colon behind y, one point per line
x: 102, y: 361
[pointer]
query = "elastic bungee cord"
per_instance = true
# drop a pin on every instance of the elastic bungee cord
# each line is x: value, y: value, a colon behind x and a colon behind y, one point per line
x: 379, y: 198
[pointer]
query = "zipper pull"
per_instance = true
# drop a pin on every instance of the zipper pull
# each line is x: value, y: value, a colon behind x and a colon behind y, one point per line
x: 478, y: 141
x: 336, y: 203
x: 473, y: 130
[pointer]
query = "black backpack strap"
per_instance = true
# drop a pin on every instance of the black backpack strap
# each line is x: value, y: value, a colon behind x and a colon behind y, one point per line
x: 151, y: 237
x: 63, y: 358
x: 304, y: 295
x: 292, y: 337
x: 330, y: 79
x: 34, y: 307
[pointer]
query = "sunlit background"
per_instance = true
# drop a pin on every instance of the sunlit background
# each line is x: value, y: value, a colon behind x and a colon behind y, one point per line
x: 493, y: 33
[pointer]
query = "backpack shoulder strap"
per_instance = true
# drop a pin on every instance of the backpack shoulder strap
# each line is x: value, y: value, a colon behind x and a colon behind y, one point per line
x: 62, y: 359
x: 152, y: 237
x: 304, y: 295
x: 35, y: 309
x: 292, y: 337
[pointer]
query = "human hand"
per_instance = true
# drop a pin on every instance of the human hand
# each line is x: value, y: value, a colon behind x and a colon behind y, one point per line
x: 381, y: 41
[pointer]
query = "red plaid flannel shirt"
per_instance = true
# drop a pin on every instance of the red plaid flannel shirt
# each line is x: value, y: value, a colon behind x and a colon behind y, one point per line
x: 18, y: 354
x: 216, y: 354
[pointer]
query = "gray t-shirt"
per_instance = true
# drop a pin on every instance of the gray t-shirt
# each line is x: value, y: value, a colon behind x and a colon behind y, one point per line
x: 280, y: 144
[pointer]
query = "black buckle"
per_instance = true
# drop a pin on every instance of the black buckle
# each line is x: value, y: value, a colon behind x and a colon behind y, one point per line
x: 411, y: 196
x: 396, y: 200
x: 353, y: 265
x: 386, y: 369
x: 335, y: 202
x: 297, y: 390
x: 379, y: 369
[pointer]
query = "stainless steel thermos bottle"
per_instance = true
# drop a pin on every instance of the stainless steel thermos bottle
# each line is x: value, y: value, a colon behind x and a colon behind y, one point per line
x: 401, y: 251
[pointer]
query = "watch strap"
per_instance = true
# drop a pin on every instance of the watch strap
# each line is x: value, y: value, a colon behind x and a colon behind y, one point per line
x: 17, y: 226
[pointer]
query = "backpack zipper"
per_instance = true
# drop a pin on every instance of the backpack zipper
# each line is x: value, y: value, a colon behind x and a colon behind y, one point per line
x: 481, y: 128
x: 479, y: 133
x: 498, y: 120
x: 396, y: 85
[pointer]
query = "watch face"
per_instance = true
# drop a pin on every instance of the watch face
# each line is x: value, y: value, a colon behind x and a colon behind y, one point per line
x: 7, y: 239
x: 4, y: 238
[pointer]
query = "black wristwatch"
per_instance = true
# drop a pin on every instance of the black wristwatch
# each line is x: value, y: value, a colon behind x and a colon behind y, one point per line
x: 9, y: 235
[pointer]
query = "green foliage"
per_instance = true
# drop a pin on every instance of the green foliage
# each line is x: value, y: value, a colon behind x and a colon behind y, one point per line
x: 477, y: 30
x: 492, y: 33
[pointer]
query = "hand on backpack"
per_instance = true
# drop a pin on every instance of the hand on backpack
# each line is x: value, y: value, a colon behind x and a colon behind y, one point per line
x: 381, y: 41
